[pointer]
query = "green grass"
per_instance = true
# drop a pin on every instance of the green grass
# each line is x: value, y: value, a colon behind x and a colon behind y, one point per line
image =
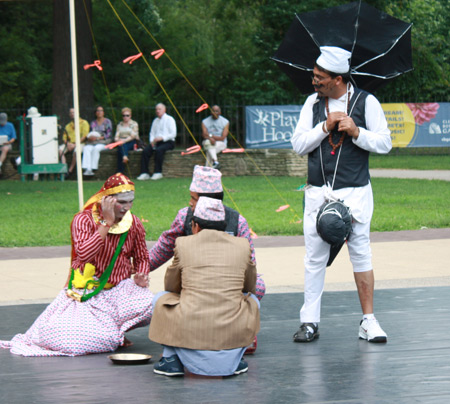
x: 39, y: 213
x: 410, y: 162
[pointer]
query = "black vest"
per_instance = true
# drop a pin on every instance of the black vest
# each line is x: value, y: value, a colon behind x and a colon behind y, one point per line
x: 353, y: 167
x: 231, y: 217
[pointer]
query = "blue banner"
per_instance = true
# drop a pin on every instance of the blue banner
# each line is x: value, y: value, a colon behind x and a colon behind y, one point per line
x: 411, y: 125
x: 271, y: 126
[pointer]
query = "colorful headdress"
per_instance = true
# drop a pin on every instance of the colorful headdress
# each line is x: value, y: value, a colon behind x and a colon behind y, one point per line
x: 115, y: 184
x: 206, y: 180
x: 209, y: 209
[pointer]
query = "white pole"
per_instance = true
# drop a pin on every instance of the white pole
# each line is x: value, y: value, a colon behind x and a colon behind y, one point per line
x: 73, y: 43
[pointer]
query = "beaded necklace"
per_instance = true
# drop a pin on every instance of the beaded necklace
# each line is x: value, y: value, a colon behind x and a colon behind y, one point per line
x: 330, y: 134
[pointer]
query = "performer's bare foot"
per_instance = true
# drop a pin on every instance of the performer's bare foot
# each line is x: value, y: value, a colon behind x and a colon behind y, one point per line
x: 126, y: 343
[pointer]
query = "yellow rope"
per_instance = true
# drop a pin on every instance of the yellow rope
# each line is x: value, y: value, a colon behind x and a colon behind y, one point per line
x: 155, y: 76
x: 165, y: 53
x: 104, y: 77
x: 99, y: 58
x: 204, y: 101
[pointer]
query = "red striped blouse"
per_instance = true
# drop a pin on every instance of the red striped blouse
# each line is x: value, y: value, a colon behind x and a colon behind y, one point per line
x: 90, y: 248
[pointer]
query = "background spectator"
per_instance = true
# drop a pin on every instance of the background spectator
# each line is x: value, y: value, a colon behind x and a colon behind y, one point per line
x: 127, y: 132
x: 69, y: 140
x: 7, y: 137
x: 97, y: 139
x: 214, y: 132
x: 162, y: 138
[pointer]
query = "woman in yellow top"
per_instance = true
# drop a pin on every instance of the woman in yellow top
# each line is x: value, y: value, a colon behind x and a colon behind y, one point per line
x: 127, y: 132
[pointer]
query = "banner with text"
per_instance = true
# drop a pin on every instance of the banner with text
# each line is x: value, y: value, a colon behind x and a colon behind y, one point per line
x: 419, y: 124
x: 271, y: 126
x: 411, y: 125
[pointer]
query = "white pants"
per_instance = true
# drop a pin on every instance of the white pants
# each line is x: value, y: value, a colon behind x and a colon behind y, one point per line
x: 212, y: 150
x: 316, y: 258
x: 91, y: 156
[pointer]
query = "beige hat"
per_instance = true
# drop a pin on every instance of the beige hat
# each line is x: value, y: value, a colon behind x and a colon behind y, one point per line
x: 33, y: 113
x: 334, y: 59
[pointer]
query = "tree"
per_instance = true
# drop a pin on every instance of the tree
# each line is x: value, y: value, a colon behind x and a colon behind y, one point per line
x: 62, y: 98
x: 223, y: 47
x: 431, y: 52
x: 25, y: 54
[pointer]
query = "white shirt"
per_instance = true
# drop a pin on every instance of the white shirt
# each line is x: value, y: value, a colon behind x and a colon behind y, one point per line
x: 376, y: 138
x: 164, y: 127
x: 216, y: 126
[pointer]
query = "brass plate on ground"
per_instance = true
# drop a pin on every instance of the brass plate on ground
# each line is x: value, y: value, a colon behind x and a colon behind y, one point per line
x: 130, y: 359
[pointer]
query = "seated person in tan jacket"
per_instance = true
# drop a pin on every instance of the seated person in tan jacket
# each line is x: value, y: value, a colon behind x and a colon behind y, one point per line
x: 208, y: 314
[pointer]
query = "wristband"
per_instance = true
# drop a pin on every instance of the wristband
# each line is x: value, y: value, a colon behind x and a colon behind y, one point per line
x: 103, y: 223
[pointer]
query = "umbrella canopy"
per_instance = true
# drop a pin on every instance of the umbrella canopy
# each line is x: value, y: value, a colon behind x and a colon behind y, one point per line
x: 380, y: 44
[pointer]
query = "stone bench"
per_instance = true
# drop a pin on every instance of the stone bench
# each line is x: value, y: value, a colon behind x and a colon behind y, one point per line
x: 255, y: 162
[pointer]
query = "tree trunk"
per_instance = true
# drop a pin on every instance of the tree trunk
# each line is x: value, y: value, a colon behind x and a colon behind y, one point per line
x: 62, y: 99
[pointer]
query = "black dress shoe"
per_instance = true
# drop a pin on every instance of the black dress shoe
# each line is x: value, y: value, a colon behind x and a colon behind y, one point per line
x: 304, y: 333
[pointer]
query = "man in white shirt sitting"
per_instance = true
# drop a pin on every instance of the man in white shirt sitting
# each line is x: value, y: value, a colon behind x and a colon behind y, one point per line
x: 162, y: 138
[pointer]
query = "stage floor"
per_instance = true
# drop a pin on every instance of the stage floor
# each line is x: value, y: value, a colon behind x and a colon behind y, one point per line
x: 413, y: 367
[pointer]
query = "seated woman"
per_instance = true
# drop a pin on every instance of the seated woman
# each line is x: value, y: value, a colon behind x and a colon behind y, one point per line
x: 97, y: 139
x: 127, y: 132
x: 101, y: 302
x: 209, y: 313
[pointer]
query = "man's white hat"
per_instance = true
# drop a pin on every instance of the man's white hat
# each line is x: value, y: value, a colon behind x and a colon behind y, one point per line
x: 334, y: 59
x: 33, y: 113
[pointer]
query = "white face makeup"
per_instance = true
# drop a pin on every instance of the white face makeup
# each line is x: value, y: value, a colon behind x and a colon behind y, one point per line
x: 124, y: 202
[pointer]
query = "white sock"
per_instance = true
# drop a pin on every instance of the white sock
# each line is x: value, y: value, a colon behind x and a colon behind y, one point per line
x: 369, y: 317
x: 310, y: 329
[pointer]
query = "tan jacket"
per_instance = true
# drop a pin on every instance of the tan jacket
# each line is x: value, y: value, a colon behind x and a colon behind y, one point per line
x: 207, y: 309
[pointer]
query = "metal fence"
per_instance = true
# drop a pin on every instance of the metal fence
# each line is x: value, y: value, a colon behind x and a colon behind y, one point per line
x: 188, y: 121
x: 188, y: 125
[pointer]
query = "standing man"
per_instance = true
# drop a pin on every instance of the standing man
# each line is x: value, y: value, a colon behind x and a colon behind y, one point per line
x: 7, y: 137
x: 209, y: 313
x: 214, y: 132
x: 162, y: 138
x: 339, y: 126
x: 69, y: 140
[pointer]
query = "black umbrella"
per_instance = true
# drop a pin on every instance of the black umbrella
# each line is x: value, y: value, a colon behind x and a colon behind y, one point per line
x: 380, y: 44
